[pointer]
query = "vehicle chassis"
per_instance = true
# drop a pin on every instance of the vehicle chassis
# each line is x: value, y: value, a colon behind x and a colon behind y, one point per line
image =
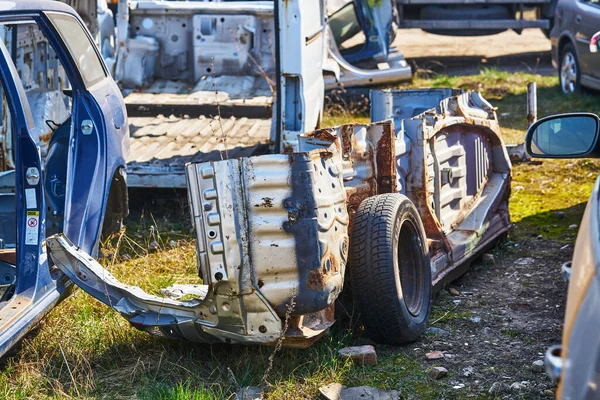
x: 273, y: 230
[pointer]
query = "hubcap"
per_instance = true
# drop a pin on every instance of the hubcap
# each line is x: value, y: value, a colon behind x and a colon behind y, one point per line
x: 568, y: 73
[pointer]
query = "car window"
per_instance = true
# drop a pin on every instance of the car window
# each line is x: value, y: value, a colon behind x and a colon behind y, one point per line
x: 81, y: 48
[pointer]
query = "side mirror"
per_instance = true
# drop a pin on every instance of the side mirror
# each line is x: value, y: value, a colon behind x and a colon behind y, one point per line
x: 564, y: 136
x: 594, y: 42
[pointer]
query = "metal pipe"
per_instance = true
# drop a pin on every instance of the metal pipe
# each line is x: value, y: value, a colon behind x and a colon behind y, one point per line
x: 531, y: 103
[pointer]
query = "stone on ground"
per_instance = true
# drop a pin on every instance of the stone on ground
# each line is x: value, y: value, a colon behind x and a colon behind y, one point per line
x: 249, y: 393
x: 437, y: 331
x: 437, y: 372
x: 360, y: 355
x: 336, y: 391
x: 498, y: 387
x: 538, y: 366
x: 434, y: 355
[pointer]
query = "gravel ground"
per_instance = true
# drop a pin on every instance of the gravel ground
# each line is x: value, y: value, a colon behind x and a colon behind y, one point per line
x: 497, y: 320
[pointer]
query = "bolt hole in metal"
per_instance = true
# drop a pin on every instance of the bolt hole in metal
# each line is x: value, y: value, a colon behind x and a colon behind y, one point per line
x: 212, y: 234
x: 411, y: 265
x: 262, y: 329
x: 218, y: 276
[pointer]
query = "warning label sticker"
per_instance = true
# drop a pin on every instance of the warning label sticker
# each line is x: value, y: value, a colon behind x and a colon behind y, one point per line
x: 32, y: 227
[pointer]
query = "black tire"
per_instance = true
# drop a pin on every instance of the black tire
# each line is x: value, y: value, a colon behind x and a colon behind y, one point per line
x: 569, y: 71
x: 390, y: 269
x: 469, y: 12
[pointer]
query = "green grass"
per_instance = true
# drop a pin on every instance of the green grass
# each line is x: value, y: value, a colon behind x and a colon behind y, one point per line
x: 83, y: 349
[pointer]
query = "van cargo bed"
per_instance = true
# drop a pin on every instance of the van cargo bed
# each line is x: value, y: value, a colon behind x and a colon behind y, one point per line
x: 172, y: 123
x: 240, y: 96
x: 161, y: 146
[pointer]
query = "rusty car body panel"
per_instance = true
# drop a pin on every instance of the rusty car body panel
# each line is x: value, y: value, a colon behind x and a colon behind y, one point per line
x: 272, y: 230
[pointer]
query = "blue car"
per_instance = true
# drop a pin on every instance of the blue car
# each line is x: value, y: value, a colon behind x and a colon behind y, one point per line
x: 63, y: 145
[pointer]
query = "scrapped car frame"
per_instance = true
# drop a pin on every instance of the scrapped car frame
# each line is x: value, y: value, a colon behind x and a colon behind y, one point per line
x: 89, y: 166
x: 274, y: 232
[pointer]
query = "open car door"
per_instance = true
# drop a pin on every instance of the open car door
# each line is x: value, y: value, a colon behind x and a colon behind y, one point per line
x: 30, y: 288
x: 68, y: 132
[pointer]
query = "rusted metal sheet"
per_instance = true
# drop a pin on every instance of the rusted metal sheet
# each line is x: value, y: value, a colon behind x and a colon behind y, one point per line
x: 368, y: 158
x: 272, y: 245
x: 459, y: 171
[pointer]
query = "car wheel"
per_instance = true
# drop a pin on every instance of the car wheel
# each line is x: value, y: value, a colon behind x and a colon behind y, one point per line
x: 390, y: 269
x: 569, y: 72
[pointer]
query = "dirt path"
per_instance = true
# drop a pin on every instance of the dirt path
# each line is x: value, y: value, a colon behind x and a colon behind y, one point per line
x: 529, y: 51
x: 506, y: 316
x: 414, y: 43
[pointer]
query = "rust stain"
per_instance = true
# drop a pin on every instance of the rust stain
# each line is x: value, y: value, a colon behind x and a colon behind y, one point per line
x: 346, y: 132
x: 304, y: 330
x: 46, y: 137
x: 318, y: 278
x: 386, y: 161
x: 267, y: 202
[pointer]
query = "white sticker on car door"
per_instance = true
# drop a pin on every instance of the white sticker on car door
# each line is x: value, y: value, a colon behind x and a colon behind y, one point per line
x: 30, y: 198
x: 32, y: 227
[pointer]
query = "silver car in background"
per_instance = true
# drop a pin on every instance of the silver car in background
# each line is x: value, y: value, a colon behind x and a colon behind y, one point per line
x: 575, y: 24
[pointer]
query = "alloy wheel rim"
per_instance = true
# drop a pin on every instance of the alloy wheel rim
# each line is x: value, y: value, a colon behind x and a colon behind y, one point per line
x: 568, y: 73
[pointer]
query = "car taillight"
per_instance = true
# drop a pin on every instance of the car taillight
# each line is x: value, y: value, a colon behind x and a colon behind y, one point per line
x: 594, y: 42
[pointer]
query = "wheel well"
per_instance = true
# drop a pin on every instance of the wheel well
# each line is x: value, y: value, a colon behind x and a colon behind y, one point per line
x: 117, y: 206
x: 561, y: 45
